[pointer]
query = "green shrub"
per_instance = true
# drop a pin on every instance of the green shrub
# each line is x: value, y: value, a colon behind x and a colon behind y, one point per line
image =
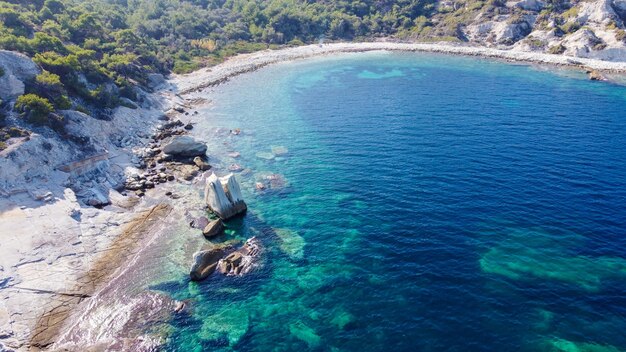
x: 17, y: 132
x: 181, y: 66
x: 620, y: 35
x: 34, y: 108
x: 571, y: 13
x: 557, y: 49
x: 535, y: 43
x: 570, y: 27
x: 49, y: 85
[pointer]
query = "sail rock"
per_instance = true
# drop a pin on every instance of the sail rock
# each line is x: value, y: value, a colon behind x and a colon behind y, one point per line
x: 223, y: 196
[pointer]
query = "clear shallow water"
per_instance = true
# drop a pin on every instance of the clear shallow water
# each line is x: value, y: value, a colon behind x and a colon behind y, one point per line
x: 431, y: 203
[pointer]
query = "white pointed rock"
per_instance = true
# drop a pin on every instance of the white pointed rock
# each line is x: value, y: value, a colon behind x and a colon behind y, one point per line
x: 223, y: 196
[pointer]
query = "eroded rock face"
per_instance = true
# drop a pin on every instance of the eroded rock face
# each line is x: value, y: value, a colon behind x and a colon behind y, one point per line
x: 185, y: 146
x: 22, y: 67
x: 509, y: 33
x: 581, y: 43
x: 531, y: 5
x: 17, y: 69
x: 204, y: 263
x: 223, y: 196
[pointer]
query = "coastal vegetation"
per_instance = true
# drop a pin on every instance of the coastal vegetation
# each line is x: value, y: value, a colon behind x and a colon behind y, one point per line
x: 96, y: 53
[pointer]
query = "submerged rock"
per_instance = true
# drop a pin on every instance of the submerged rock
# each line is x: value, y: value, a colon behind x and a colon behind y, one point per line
x: 185, y: 146
x: 230, y: 322
x: 279, y: 150
x: 305, y: 333
x: 200, y: 222
x: 265, y: 155
x: 204, y: 263
x: 223, y: 196
x: 214, y: 228
x: 291, y: 243
x: 235, y: 168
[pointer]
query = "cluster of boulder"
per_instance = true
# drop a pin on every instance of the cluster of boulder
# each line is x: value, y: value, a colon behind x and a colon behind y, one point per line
x: 171, y: 155
x: 223, y: 197
x: 224, y: 259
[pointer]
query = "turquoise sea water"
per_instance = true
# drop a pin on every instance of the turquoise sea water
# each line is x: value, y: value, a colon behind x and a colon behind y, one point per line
x: 429, y: 203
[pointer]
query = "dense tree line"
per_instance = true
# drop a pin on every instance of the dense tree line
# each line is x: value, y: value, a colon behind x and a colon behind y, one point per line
x: 94, y: 52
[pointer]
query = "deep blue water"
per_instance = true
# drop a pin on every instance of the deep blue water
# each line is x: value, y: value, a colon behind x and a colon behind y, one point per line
x: 431, y: 203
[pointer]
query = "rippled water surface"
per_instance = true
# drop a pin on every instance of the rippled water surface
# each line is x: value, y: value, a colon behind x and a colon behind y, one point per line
x: 429, y: 203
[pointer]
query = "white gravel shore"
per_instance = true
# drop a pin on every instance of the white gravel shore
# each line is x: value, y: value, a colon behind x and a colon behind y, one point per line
x: 249, y: 62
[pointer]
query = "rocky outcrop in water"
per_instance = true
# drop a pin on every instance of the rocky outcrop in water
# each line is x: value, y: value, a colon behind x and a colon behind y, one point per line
x: 204, y: 263
x: 213, y: 229
x: 223, y: 196
x: 241, y: 261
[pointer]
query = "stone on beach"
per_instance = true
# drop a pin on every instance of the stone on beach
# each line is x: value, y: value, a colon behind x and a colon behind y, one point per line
x: 201, y: 164
x: 204, y: 263
x: 214, y: 228
x: 223, y: 196
x: 185, y: 146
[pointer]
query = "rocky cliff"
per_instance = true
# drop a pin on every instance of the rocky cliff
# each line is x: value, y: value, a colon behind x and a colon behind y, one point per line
x: 589, y: 29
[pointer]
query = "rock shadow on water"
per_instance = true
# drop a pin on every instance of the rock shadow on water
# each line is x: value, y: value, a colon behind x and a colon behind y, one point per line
x: 528, y: 255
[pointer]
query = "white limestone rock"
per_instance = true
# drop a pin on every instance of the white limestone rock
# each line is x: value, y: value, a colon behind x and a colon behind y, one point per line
x: 17, y: 69
x: 223, y: 196
x: 531, y: 5
x: 597, y: 12
x: 510, y: 33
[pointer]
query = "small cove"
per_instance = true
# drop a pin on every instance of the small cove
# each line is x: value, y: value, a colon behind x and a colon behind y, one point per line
x: 417, y: 202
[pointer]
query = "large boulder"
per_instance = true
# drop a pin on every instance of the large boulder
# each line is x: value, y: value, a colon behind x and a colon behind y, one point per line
x: 204, y: 263
x: 185, y: 146
x: 531, y: 5
x: 155, y: 80
x: 581, y: 43
x: 214, y: 228
x: 17, y: 68
x: 509, y: 33
x: 223, y: 196
x: 596, y: 12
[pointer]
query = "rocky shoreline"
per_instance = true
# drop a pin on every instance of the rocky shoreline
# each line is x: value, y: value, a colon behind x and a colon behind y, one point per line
x: 68, y: 252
